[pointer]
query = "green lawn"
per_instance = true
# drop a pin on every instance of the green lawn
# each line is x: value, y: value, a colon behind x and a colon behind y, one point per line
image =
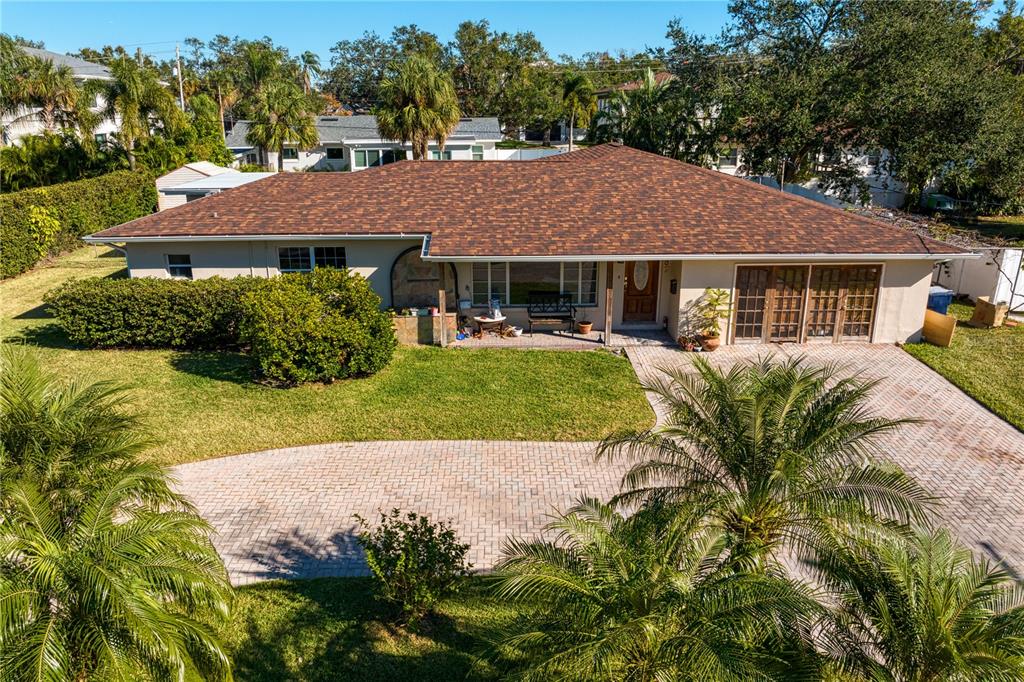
x: 332, y: 629
x: 988, y: 364
x: 204, y: 404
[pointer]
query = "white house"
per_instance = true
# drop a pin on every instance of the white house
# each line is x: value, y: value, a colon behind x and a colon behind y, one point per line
x: 26, y: 121
x: 353, y: 143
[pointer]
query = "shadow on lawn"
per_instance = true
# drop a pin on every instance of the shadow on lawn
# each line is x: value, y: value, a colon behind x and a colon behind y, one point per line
x: 334, y: 629
x: 221, y: 365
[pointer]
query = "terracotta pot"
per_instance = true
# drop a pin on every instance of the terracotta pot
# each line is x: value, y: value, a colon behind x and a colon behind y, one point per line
x: 585, y: 327
x: 710, y: 343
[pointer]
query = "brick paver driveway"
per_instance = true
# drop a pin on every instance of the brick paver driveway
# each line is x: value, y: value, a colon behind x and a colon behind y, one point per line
x: 288, y: 513
x: 963, y: 453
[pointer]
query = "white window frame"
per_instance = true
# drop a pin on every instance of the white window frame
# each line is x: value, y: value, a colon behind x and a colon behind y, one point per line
x: 506, y: 300
x: 476, y: 150
x: 168, y: 265
x: 398, y: 152
x: 438, y: 155
x: 312, y: 257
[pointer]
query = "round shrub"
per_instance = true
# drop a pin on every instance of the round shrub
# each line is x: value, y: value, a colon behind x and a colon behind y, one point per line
x: 317, y: 326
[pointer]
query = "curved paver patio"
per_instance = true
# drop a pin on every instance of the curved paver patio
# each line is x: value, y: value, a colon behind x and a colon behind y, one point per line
x: 288, y: 513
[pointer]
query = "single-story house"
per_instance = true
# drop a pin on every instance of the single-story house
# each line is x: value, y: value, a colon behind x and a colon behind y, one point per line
x: 353, y: 143
x: 633, y: 237
x: 177, y: 192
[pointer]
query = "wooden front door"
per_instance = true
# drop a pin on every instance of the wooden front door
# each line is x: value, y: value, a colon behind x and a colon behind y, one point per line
x: 640, y: 295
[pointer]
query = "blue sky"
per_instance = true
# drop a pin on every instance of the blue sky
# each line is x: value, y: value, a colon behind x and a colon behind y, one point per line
x: 563, y: 27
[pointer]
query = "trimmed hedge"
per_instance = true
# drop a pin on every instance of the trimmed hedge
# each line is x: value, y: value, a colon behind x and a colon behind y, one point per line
x: 317, y: 326
x: 45, y: 221
x: 151, y: 313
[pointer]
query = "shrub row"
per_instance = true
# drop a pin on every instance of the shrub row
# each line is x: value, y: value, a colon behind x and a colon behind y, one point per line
x: 301, y: 327
x: 45, y: 221
x: 151, y: 313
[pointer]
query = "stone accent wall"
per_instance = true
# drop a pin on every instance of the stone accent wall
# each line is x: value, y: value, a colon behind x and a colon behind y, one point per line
x: 423, y: 330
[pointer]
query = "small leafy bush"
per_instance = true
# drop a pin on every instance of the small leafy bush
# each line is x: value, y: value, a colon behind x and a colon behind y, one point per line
x: 45, y: 221
x: 414, y: 562
x: 151, y: 313
x: 317, y: 326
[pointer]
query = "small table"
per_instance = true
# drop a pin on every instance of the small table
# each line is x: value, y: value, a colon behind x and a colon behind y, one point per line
x: 494, y: 325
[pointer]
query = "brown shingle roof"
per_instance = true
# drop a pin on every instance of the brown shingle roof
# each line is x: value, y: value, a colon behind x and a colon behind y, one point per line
x: 608, y: 200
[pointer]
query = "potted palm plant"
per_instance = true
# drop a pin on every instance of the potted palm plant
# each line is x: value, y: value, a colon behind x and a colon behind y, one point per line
x: 713, y: 308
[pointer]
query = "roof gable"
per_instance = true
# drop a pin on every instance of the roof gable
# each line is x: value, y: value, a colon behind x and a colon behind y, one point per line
x: 608, y: 201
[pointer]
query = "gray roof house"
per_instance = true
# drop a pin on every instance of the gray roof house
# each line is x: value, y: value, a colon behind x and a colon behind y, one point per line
x: 25, y: 121
x: 353, y: 143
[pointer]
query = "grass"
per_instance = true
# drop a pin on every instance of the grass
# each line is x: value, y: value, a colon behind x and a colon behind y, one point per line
x: 205, y: 404
x: 984, y: 363
x: 332, y: 629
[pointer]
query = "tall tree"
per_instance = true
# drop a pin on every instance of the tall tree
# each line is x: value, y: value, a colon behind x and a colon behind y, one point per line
x: 357, y: 68
x: 310, y: 70
x: 418, y: 104
x: 285, y: 116
x: 785, y: 452
x: 579, y: 101
x: 139, y: 102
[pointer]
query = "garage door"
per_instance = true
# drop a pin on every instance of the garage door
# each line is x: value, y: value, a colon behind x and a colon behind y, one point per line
x: 792, y: 304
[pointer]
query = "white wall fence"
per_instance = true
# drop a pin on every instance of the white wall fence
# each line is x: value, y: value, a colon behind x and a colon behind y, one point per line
x: 997, y: 274
x: 526, y: 154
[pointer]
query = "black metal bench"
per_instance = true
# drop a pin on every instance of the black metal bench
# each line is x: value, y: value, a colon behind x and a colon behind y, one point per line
x: 546, y: 308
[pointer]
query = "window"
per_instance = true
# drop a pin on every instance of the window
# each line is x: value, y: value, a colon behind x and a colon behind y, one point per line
x: 438, y: 155
x: 367, y: 158
x: 252, y: 159
x: 329, y: 257
x: 874, y: 157
x: 305, y: 258
x: 730, y: 158
x: 179, y: 266
x: 478, y: 152
x: 101, y: 138
x: 293, y: 259
x: 513, y: 282
x: 335, y: 153
x: 291, y: 154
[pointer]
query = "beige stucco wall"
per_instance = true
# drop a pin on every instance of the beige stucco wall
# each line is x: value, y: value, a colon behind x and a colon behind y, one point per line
x: 902, y: 297
x: 370, y: 258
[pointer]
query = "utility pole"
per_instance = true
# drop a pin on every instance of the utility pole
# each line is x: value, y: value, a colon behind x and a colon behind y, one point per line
x: 177, y: 67
x: 138, y: 55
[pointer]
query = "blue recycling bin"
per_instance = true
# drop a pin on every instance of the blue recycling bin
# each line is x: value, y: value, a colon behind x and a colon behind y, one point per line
x: 939, y: 299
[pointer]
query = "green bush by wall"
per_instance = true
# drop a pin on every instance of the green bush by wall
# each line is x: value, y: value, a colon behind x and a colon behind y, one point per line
x: 317, y: 326
x: 151, y: 313
x: 45, y: 221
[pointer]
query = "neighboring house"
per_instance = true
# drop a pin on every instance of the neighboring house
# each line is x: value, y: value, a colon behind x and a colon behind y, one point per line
x: 205, y: 186
x: 604, y: 224
x: 353, y: 143
x: 26, y: 121
x: 178, y: 176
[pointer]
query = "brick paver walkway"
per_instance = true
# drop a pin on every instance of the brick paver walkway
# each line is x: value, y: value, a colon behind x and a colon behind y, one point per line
x: 288, y: 513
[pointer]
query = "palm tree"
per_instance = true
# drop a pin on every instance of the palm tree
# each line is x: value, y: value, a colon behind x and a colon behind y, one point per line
x: 922, y: 609
x: 284, y: 116
x: 641, y: 117
x: 785, y: 452
x: 310, y: 69
x: 652, y: 596
x: 138, y: 101
x: 105, y: 571
x: 53, y: 90
x: 418, y: 104
x: 579, y: 101
x: 116, y: 587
